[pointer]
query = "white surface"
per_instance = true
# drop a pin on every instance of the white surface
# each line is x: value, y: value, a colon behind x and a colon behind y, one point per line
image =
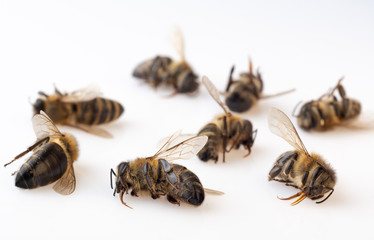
x: 296, y: 44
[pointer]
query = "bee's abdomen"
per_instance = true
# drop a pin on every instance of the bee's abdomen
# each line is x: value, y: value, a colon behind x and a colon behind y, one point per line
x: 45, y: 166
x: 152, y: 69
x: 283, y: 166
x: 211, y: 148
x: 191, y: 189
x: 98, y: 111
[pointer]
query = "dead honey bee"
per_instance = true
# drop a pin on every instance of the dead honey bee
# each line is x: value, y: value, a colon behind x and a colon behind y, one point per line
x: 52, y: 160
x: 243, y: 93
x: 83, y: 109
x: 328, y: 111
x: 164, y: 70
x: 158, y: 176
x: 298, y: 168
x: 225, y: 130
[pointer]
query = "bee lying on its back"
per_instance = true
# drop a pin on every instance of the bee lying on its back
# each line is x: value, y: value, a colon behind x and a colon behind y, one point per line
x: 159, y: 177
x: 298, y: 168
x: 52, y: 160
x: 244, y: 92
x: 328, y: 111
x: 163, y: 70
x: 82, y: 109
x: 225, y: 130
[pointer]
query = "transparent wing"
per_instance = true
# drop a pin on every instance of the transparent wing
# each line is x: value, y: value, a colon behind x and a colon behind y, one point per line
x: 183, y: 150
x: 166, y: 142
x: 176, y: 139
x: 83, y: 95
x: 176, y: 39
x: 214, y: 93
x: 213, y: 192
x: 66, y: 184
x: 281, y: 125
x: 44, y: 126
x: 365, y: 121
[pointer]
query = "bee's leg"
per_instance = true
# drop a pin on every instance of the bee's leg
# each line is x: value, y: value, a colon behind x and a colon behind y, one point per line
x: 175, y: 92
x: 302, y: 195
x: 14, y: 173
x: 134, y: 193
x: 150, y: 183
x: 121, y: 197
x: 230, y: 79
x: 171, y: 177
x: 173, y: 200
x: 29, y: 149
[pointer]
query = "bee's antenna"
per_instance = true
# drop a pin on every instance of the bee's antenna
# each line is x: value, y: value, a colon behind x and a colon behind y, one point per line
x: 254, y: 135
x: 43, y: 94
x: 332, y: 190
x: 294, y: 110
x: 111, y: 179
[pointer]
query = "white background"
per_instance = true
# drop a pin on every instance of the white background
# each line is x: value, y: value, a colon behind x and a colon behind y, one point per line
x: 296, y: 44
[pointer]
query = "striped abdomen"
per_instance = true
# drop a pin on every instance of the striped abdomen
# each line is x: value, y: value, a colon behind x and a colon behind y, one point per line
x: 189, y: 188
x: 45, y: 166
x: 214, y: 143
x: 322, y: 115
x: 283, y: 166
x: 98, y: 111
x: 181, y: 76
x: 153, y: 70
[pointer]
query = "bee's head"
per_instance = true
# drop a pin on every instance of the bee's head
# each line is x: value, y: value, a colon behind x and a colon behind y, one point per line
x: 323, y: 184
x: 187, y: 82
x: 239, y: 100
x: 39, y: 105
x: 123, y: 180
x: 307, y: 118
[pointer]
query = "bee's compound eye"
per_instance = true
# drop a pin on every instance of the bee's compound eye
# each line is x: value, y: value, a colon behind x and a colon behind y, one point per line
x: 122, y: 167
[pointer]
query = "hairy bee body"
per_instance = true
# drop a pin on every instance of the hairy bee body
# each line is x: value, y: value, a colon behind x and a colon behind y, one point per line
x: 163, y: 70
x: 159, y: 178
x: 96, y: 111
x: 243, y: 93
x: 239, y: 132
x: 310, y: 174
x: 325, y: 113
x: 48, y: 163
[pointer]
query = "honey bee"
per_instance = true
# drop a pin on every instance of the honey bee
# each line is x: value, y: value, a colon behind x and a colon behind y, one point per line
x: 158, y: 176
x: 52, y: 160
x: 307, y: 172
x: 328, y: 111
x: 82, y: 109
x: 243, y: 93
x: 225, y: 130
x: 163, y: 70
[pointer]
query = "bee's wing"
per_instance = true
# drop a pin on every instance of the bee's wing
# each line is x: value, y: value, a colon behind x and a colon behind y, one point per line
x: 183, y: 150
x: 83, y: 95
x: 176, y: 39
x: 365, y: 121
x: 214, y: 93
x: 213, y: 192
x: 165, y: 143
x: 178, y: 137
x: 44, y: 126
x: 66, y: 184
x: 282, y: 126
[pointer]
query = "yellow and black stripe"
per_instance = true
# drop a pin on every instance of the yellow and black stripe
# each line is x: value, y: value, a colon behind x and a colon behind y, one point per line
x: 98, y: 111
